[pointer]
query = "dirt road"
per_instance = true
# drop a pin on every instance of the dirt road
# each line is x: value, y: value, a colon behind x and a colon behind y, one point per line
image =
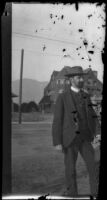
x: 36, y: 167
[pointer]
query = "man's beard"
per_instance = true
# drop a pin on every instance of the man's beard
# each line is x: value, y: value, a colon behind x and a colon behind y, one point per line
x: 80, y: 84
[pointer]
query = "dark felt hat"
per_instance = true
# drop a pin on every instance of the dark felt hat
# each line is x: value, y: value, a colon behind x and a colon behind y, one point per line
x: 75, y: 71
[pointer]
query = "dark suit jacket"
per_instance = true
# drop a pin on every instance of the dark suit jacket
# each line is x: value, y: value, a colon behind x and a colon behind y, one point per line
x: 64, y: 127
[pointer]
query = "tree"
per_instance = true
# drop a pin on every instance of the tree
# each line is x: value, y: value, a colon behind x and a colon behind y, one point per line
x: 15, y: 107
x: 32, y: 106
x: 24, y: 107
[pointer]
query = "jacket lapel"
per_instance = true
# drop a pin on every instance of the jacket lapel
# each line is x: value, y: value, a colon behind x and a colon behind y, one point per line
x: 69, y: 101
x: 86, y: 103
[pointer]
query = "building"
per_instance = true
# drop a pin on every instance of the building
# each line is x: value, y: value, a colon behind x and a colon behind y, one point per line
x: 45, y: 104
x: 12, y: 104
x: 92, y: 84
x: 59, y: 82
x: 14, y: 95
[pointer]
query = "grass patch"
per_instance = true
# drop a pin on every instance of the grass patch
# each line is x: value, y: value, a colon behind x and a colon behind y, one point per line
x: 32, y: 117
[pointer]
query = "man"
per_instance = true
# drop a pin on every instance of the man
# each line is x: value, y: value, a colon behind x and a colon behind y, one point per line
x: 73, y: 130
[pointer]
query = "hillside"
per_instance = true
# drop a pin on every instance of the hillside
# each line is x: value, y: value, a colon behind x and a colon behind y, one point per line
x: 32, y: 90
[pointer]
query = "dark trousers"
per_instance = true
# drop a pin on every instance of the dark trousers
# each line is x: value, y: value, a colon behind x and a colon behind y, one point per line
x: 70, y: 157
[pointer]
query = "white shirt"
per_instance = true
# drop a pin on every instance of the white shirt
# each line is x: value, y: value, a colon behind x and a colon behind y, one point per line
x: 75, y: 89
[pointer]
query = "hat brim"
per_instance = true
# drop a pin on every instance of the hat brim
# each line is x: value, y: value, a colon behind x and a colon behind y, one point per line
x: 76, y: 74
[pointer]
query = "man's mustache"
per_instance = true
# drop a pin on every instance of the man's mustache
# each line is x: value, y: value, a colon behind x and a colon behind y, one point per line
x: 80, y: 84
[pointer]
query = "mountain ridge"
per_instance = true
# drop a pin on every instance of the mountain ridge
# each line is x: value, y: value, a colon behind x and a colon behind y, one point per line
x: 32, y: 90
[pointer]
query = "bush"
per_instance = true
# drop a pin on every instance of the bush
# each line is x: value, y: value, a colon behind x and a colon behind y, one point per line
x: 29, y: 107
x: 15, y: 107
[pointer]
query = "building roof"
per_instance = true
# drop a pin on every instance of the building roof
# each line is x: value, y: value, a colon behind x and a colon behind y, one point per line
x: 51, y: 92
x: 55, y: 73
x: 13, y: 95
x: 45, y: 100
x: 62, y: 73
x: 87, y: 70
x: 90, y: 72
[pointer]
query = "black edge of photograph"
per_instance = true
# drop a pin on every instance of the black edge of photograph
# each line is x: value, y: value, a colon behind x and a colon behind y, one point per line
x: 53, y: 59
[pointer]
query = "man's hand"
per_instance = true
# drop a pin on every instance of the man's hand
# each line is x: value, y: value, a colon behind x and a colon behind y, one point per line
x: 96, y: 141
x: 58, y: 147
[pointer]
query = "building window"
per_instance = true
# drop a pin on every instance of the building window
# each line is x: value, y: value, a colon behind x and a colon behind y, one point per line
x: 90, y: 82
x: 95, y: 83
x: 52, y: 84
x: 60, y: 91
x: 62, y: 81
x: 67, y: 82
x: 58, y: 82
x: 53, y: 77
x: 95, y: 73
x: 47, y: 93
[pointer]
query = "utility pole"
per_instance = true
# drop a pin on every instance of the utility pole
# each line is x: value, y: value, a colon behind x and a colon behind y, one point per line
x: 20, y: 86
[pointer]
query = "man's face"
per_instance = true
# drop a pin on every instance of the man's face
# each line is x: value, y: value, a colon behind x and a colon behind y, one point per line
x: 77, y: 81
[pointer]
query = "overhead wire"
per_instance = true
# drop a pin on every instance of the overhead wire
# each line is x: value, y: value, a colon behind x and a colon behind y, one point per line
x: 42, y: 37
x: 47, y: 38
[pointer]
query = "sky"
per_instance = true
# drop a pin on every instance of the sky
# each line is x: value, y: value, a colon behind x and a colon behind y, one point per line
x: 56, y: 35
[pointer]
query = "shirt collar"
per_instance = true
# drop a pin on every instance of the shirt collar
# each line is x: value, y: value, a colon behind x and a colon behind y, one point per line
x: 75, y: 89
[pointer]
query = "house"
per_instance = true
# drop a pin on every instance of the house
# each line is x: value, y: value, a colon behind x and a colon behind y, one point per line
x: 13, y: 95
x: 12, y: 104
x: 92, y: 84
x: 59, y: 83
x: 45, y: 104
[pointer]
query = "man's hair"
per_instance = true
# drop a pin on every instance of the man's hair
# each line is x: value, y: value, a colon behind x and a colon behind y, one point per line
x: 71, y: 80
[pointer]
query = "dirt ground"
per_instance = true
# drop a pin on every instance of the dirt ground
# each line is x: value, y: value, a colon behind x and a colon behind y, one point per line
x: 37, y: 168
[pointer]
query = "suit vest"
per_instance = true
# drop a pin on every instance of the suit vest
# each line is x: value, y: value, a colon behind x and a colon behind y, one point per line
x: 84, y: 131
